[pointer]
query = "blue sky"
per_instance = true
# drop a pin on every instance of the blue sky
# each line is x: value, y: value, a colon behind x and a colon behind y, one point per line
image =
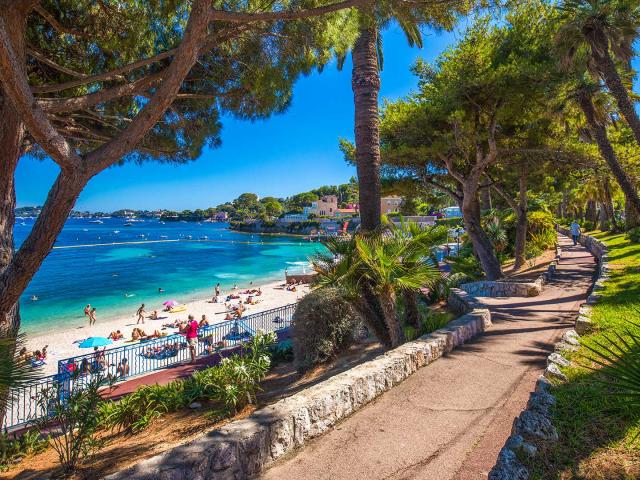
x: 285, y: 154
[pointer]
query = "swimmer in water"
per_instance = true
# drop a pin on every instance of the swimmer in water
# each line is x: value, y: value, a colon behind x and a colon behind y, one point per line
x: 34, y: 298
x: 160, y: 290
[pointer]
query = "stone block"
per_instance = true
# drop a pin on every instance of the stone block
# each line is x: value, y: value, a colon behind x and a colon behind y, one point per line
x: 534, y: 425
x: 583, y: 325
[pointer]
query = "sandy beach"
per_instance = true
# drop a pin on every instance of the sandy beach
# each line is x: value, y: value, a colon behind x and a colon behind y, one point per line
x: 61, y: 343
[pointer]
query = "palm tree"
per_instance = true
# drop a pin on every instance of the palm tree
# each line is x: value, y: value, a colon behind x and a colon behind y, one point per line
x: 597, y: 126
x: 608, y: 29
x: 365, y: 81
x: 373, y: 269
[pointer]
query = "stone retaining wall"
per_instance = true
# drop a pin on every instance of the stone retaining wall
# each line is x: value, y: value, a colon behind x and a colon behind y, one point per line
x: 244, y: 447
x: 503, y: 289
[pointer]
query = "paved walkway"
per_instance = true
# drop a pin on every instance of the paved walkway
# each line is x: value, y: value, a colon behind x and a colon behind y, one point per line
x: 450, y: 419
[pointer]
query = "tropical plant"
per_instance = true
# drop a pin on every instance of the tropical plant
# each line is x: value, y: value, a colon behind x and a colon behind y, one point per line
x: 617, y: 364
x: 373, y: 269
x: 608, y: 29
x: 76, y: 412
x: 13, y: 447
x: 324, y: 324
x: 634, y: 235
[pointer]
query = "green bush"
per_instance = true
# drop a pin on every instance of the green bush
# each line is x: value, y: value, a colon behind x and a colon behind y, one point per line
x: 76, y: 413
x: 450, y: 222
x: 323, y: 325
x: 14, y: 448
x: 233, y: 383
x: 634, y: 235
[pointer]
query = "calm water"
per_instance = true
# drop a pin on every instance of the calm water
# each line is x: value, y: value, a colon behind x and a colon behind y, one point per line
x: 86, y: 268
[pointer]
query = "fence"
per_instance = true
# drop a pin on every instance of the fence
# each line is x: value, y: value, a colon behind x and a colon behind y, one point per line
x: 143, y: 357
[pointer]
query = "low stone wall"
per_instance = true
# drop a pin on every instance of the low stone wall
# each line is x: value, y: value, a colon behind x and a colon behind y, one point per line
x: 503, y: 289
x: 300, y: 278
x: 244, y: 447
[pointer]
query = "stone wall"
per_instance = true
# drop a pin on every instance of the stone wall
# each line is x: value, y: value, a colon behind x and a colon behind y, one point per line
x: 503, y: 289
x: 244, y: 447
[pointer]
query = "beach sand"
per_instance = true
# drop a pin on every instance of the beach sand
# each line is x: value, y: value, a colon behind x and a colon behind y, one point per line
x: 61, y: 343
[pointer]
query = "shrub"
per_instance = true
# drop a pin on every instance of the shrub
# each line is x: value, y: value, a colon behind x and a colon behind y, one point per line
x: 323, y: 325
x: 76, y: 412
x: 634, y: 235
x: 13, y: 448
x: 450, y: 222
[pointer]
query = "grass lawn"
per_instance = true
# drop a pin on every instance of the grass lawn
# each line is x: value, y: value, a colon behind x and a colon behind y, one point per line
x: 597, y: 430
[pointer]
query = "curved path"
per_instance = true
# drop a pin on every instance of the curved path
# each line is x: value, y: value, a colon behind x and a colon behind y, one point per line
x: 450, y: 419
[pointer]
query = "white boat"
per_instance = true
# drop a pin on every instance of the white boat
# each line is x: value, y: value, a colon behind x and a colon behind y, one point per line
x: 204, y: 237
x: 116, y: 231
x: 96, y: 221
x: 163, y: 236
x: 141, y: 235
x: 128, y: 224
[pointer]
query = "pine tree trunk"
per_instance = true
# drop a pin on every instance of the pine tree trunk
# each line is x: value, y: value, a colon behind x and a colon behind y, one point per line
x: 599, y: 132
x: 365, y: 82
x: 591, y: 213
x: 412, y: 311
x: 11, y: 138
x: 481, y: 243
x: 521, y: 224
x: 609, y: 72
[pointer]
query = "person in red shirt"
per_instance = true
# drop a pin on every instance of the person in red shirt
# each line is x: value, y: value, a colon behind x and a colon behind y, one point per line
x: 191, y: 332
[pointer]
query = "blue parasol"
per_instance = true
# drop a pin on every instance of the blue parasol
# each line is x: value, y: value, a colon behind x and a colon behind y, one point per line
x: 95, y: 342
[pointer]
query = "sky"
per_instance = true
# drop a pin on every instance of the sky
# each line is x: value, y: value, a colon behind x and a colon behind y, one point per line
x: 291, y: 152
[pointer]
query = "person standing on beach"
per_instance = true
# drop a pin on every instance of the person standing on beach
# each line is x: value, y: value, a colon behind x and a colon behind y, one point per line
x: 140, y: 314
x: 217, y: 289
x: 87, y: 310
x: 92, y: 316
x: 191, y: 332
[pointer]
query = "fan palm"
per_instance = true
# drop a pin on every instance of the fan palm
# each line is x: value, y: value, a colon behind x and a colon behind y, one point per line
x: 373, y: 269
x: 604, y: 30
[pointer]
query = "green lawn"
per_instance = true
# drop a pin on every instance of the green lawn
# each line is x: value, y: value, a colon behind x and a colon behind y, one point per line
x: 597, y: 430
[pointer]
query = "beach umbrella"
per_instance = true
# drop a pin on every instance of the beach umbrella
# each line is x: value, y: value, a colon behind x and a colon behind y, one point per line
x: 170, y: 303
x: 95, y: 342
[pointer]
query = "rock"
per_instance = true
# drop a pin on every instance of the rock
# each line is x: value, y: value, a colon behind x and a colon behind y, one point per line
x: 565, y: 347
x: 533, y: 424
x: 541, y: 402
x: 529, y: 450
x: 508, y: 467
x: 195, y: 405
x: 543, y: 385
x: 558, y: 360
x: 583, y: 325
x: 514, y: 442
x: 552, y: 371
x: 571, y: 337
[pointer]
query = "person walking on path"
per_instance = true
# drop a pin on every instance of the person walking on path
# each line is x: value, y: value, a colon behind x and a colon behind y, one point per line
x: 575, y: 232
x: 191, y: 332
x: 140, y: 314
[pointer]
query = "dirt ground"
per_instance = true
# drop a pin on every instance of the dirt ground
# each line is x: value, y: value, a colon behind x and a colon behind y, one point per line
x: 176, y: 428
x: 532, y: 268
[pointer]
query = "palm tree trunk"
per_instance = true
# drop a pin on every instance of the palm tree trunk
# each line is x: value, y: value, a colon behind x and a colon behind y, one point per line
x: 608, y: 204
x: 607, y: 67
x: 365, y: 82
x: 412, y: 311
x: 369, y: 307
x: 388, y: 304
x: 599, y: 132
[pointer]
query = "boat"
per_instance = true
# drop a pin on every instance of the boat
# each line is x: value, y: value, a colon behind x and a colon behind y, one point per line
x: 188, y: 237
x: 96, y: 221
x: 141, y: 235
x: 178, y: 308
x: 163, y: 236
x: 128, y: 224
x: 204, y: 237
x: 116, y: 231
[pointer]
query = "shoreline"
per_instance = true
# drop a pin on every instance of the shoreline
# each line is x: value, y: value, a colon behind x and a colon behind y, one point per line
x: 61, y: 342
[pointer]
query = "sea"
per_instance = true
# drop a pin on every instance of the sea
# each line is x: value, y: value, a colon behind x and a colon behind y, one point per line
x: 118, y: 264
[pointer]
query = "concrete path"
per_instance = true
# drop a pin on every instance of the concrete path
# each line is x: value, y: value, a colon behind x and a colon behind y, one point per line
x: 450, y: 419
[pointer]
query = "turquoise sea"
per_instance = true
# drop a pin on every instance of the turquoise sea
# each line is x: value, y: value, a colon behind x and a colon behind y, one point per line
x: 185, y: 259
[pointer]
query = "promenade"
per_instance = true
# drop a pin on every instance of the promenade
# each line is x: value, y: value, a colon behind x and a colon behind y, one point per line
x: 450, y: 419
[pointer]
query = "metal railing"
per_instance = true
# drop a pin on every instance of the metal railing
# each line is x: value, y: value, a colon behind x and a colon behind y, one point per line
x: 143, y: 357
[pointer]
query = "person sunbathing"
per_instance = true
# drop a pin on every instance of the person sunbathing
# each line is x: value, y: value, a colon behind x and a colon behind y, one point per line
x: 154, y: 315
x: 228, y: 316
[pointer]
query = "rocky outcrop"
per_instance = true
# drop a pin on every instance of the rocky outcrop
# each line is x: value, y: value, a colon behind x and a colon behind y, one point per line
x: 244, y: 447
